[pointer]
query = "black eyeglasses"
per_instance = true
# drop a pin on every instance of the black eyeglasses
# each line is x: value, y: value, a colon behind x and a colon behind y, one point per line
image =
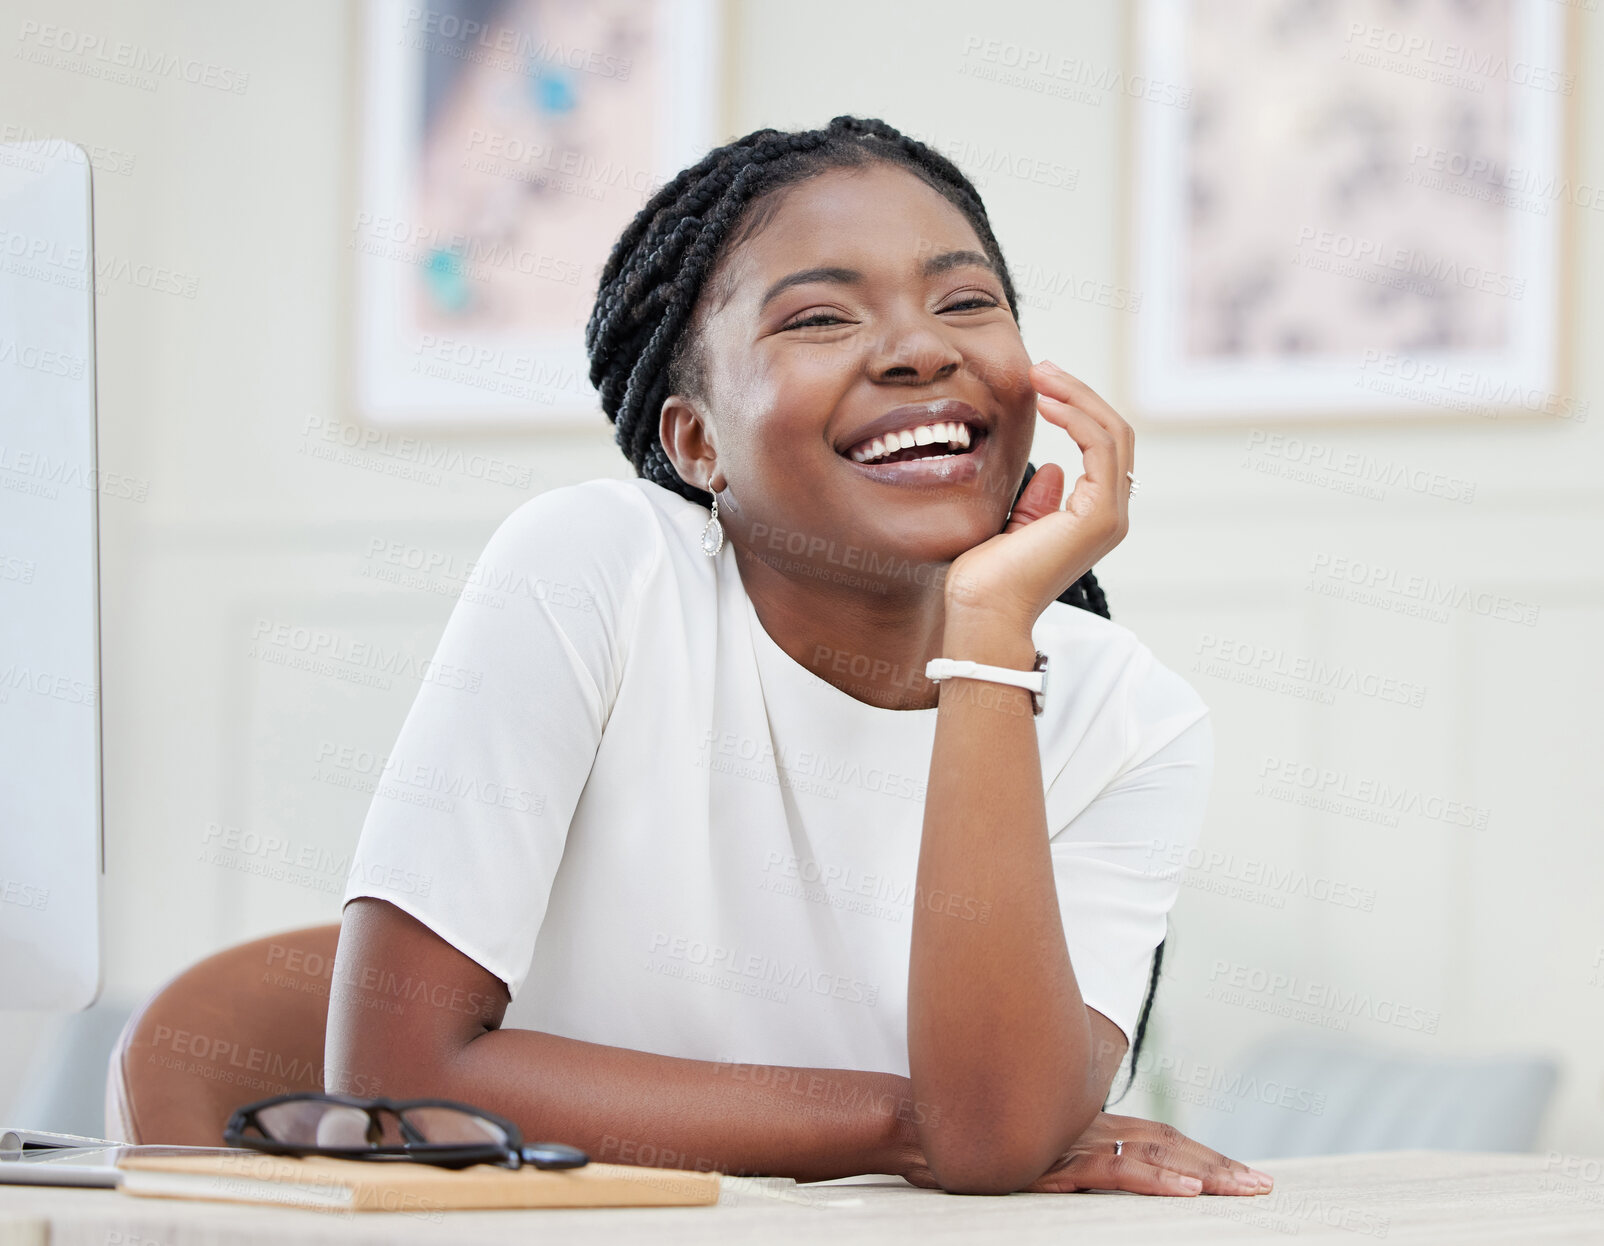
x: 425, y: 1131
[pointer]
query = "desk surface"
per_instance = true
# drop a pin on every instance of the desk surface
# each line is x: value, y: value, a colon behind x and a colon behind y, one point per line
x: 1434, y: 1197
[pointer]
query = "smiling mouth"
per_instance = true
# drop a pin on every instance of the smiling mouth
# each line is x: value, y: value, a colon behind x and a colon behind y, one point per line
x: 952, y: 439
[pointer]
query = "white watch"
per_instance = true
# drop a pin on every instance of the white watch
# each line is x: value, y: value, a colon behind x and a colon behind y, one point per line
x: 1035, y: 679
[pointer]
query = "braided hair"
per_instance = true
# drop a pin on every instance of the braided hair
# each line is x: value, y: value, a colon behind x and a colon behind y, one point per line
x: 641, y: 336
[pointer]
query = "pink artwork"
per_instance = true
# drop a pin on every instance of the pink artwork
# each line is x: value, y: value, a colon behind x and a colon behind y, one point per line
x: 507, y: 144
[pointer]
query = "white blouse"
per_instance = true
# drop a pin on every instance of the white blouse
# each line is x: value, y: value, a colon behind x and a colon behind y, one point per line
x: 662, y: 832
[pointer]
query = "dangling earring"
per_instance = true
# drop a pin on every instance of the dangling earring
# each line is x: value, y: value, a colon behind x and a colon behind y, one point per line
x: 713, y: 534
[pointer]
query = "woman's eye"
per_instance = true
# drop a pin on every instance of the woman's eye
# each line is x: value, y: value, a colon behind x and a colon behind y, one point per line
x: 819, y: 318
x: 824, y: 318
x: 974, y: 302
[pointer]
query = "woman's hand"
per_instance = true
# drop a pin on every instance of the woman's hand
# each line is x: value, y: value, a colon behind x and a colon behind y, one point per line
x: 1156, y: 1159
x: 1043, y: 550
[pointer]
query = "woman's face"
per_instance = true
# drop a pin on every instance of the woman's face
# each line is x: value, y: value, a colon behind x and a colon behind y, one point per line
x: 866, y: 291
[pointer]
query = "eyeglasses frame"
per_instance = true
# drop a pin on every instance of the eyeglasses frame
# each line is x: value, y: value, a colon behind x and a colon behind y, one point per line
x: 508, y: 1154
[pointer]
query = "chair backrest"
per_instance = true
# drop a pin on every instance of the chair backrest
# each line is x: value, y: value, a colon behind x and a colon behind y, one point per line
x: 241, y: 1025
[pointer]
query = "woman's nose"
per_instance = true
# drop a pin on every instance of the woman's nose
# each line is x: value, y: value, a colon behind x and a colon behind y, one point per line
x: 911, y: 351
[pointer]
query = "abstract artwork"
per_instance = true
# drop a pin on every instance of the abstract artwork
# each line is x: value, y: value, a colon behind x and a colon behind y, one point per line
x: 506, y: 144
x: 1358, y: 211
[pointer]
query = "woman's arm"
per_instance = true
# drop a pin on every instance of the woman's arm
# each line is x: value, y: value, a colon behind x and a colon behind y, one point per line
x: 998, y: 1035
x: 415, y: 1017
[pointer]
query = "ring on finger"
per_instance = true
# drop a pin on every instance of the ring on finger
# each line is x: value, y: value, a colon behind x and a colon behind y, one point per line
x: 1135, y: 484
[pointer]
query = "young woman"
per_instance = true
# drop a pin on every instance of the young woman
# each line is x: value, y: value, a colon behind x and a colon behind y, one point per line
x: 696, y: 864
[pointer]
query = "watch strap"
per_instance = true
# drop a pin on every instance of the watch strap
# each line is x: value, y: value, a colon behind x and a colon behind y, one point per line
x: 1034, y: 680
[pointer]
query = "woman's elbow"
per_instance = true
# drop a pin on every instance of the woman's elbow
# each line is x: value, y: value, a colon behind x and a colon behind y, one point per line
x: 1000, y: 1147
x: 988, y: 1168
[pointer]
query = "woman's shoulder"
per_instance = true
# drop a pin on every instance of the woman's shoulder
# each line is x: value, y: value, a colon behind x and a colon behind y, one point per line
x: 606, y: 521
x: 598, y: 543
x: 1098, y: 661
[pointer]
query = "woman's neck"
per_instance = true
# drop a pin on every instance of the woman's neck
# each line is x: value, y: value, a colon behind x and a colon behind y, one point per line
x: 869, y: 636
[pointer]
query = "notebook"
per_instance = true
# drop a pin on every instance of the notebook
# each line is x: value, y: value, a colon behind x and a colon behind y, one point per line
x: 362, y: 1185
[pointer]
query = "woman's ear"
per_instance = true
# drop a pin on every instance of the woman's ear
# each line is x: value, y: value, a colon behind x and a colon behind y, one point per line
x: 686, y: 434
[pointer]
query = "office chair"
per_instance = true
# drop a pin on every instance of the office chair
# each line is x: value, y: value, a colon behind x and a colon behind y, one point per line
x: 242, y: 1025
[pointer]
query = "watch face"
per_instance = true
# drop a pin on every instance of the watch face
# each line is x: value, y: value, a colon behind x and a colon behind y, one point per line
x: 1038, y: 700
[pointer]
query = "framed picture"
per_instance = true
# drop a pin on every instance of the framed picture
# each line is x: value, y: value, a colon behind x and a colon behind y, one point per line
x: 1358, y: 211
x: 505, y: 145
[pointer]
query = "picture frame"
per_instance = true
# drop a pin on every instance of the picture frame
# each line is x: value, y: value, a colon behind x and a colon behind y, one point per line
x: 1358, y: 286
x: 500, y: 159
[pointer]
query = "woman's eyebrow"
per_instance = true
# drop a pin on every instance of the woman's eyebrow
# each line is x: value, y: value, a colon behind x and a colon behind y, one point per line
x: 851, y: 276
x: 843, y: 276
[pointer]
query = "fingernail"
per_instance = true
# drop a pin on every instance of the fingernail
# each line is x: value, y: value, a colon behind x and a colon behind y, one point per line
x: 1190, y: 1184
x: 1050, y: 365
x: 1265, y: 1180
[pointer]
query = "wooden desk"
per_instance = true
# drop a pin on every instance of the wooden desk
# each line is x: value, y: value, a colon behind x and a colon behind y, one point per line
x: 1434, y: 1197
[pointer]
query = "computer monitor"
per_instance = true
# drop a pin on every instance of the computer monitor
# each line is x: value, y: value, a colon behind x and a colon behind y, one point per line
x: 51, y: 843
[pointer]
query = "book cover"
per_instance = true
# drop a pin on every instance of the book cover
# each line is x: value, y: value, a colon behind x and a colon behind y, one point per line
x: 364, y: 1185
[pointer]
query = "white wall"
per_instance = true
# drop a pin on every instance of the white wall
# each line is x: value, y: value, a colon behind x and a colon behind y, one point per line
x: 1495, y: 932
x: 1494, y: 935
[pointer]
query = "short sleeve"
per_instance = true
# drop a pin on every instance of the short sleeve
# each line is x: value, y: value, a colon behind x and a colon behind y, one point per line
x: 469, y: 820
x: 1115, y: 862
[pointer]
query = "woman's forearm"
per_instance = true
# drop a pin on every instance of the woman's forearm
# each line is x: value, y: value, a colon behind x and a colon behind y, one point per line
x: 617, y: 1104
x: 998, y: 1036
x: 633, y: 1107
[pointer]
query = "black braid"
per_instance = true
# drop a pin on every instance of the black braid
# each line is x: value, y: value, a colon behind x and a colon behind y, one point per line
x: 640, y: 334
x: 1141, y: 1022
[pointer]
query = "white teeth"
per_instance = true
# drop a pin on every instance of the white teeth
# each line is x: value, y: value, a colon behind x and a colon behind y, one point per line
x: 953, y: 432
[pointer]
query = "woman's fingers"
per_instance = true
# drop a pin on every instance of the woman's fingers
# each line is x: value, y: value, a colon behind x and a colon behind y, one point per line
x: 1168, y: 1147
x: 1117, y: 1172
x: 1057, y: 383
x: 1021, y: 571
x: 1042, y: 496
x: 1099, y: 447
x: 1107, y: 442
